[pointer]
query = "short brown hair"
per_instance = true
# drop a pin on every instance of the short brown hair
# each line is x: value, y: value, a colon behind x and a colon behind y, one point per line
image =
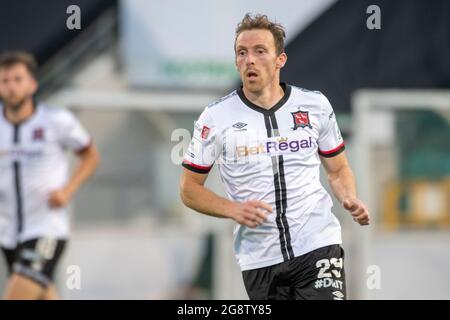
x: 11, y: 58
x: 260, y: 21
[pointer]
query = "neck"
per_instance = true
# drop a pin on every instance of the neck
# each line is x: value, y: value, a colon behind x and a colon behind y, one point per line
x: 20, y: 113
x: 267, y: 97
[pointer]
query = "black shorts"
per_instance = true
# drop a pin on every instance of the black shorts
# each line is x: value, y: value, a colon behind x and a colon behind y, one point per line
x: 35, y: 259
x: 318, y: 275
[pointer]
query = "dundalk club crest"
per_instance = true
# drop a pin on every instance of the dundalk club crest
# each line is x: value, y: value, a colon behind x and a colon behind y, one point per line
x: 38, y: 134
x: 301, y: 119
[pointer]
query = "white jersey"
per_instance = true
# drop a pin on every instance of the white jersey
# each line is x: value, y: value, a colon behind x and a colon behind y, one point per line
x: 273, y: 156
x: 33, y: 163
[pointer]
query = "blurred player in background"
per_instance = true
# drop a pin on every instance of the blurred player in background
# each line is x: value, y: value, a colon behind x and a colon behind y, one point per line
x: 269, y: 139
x: 35, y: 186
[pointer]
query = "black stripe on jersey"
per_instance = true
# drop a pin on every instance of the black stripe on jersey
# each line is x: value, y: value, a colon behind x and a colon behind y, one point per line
x: 16, y: 134
x: 282, y: 178
x: 280, y: 194
x: 18, y: 186
x: 279, y: 221
x: 268, y: 126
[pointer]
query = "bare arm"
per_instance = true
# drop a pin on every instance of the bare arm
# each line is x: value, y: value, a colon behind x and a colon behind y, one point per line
x: 88, y: 162
x: 342, y: 183
x: 194, y: 195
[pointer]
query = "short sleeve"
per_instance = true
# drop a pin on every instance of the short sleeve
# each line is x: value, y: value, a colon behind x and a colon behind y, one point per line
x: 72, y: 134
x: 203, y: 148
x: 330, y: 139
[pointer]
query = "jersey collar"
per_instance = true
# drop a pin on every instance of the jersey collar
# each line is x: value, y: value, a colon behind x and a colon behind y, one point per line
x: 278, y: 105
x: 3, y: 114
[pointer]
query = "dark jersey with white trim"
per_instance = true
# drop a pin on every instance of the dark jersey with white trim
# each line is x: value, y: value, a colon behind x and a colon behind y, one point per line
x: 273, y: 156
x: 33, y: 163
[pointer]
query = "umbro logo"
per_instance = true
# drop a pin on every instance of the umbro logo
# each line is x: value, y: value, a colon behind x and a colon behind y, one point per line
x: 239, y: 125
x: 338, y: 295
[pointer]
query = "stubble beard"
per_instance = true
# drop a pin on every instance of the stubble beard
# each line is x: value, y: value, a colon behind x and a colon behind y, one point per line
x: 16, y: 106
x: 253, y: 86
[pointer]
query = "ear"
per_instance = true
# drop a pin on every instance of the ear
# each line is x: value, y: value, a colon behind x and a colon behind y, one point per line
x: 34, y: 86
x: 281, y: 60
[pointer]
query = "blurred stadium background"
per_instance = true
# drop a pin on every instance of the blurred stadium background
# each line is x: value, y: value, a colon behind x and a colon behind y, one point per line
x: 139, y: 72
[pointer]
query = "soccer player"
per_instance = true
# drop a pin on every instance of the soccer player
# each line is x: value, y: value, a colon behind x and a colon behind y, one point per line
x: 269, y: 139
x: 34, y: 184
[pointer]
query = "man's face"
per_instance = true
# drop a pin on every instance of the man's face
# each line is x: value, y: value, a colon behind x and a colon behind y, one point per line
x: 257, y: 60
x: 16, y: 85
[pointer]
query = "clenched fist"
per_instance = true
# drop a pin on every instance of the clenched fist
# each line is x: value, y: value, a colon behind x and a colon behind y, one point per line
x: 358, y: 210
x: 59, y: 198
x: 251, y: 213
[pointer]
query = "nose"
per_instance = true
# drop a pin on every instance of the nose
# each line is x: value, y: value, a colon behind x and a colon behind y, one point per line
x: 10, y: 86
x: 10, y: 89
x: 249, y: 59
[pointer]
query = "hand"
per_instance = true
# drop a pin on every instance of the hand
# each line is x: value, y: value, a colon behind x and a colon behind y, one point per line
x: 251, y: 213
x: 358, y: 210
x: 59, y: 198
